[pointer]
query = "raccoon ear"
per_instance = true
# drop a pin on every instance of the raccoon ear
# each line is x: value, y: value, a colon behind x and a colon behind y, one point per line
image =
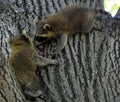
x: 47, y: 27
x: 8, y: 40
x: 24, y: 33
x: 35, y: 21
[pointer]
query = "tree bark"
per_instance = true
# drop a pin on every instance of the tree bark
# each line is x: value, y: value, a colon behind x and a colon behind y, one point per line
x: 88, y: 69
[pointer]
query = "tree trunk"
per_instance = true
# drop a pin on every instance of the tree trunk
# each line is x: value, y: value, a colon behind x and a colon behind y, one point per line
x: 88, y: 69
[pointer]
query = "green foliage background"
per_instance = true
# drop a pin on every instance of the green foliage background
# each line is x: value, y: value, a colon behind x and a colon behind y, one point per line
x: 111, y: 5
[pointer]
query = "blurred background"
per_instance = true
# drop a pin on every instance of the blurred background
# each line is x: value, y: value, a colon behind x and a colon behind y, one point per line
x: 112, y: 6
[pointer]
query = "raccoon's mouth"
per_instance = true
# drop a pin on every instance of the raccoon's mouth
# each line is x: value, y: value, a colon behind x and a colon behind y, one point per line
x: 40, y: 39
x: 41, y: 35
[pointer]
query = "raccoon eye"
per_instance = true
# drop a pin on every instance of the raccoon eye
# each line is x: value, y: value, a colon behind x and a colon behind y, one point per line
x: 47, y: 27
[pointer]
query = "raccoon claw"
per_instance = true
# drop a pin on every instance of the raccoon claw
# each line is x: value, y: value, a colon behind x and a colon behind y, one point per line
x: 55, y: 62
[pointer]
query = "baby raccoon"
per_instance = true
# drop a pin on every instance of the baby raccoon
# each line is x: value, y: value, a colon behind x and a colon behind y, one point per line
x: 70, y: 20
x: 24, y: 59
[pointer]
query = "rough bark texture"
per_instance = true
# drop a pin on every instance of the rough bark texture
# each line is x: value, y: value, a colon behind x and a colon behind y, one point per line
x: 88, y: 69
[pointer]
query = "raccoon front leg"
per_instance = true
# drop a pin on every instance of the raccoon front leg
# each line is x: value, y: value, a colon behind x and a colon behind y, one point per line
x: 42, y: 61
x: 62, y: 42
